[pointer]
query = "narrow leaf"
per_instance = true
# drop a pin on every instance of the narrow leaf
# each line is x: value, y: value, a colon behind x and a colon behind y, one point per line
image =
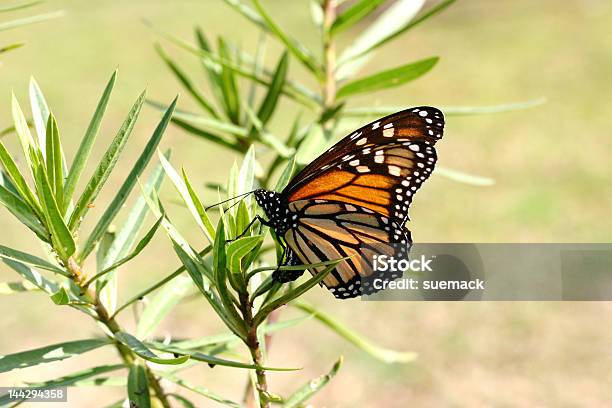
x: 62, y: 239
x: 47, y: 354
x: 298, y: 50
x: 10, y: 288
x: 354, y: 14
x: 32, y: 276
x: 138, y: 387
x: 309, y: 389
x: 240, y: 248
x: 82, y: 154
x: 181, y: 188
x: 22, y: 212
x: 389, y: 78
x: 187, y: 83
x: 268, y: 105
x: 40, y: 112
x: 199, y: 390
x: 60, y: 297
x: 159, y: 306
x: 55, y: 161
x: 129, y: 183
x: 390, y: 26
x: 106, y: 165
x: 141, y: 350
x: 18, y: 180
x: 7, y: 25
x: 465, y: 178
x: 380, y: 353
x: 8, y: 253
x: 142, y: 244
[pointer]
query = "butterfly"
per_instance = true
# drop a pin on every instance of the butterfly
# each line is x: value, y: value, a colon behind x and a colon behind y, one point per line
x: 353, y: 200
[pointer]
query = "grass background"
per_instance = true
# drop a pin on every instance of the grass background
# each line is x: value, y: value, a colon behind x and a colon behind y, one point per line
x: 551, y: 163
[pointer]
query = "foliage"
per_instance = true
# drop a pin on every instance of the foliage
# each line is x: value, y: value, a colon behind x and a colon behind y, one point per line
x: 233, y: 272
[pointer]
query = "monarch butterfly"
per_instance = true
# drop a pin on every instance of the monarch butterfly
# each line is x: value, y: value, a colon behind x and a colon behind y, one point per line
x: 355, y: 197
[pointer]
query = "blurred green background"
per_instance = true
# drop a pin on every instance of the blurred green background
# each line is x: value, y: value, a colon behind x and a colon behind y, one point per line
x: 551, y: 165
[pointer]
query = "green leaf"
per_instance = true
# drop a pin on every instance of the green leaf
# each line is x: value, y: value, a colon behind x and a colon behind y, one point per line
x: 298, y: 50
x: 199, y: 390
x: 4, y: 49
x: 55, y: 162
x: 247, y: 12
x: 229, y: 86
x: 10, y: 288
x: 389, y: 78
x: 123, y: 241
x: 240, y: 248
x: 214, y: 62
x: 309, y: 389
x: 84, y: 151
x: 30, y: 149
x: 129, y: 183
x: 22, y: 212
x: 159, y: 307
x: 465, y: 178
x: 19, y: 6
x: 7, y: 25
x: 199, y: 272
x: 60, y: 297
x: 191, y: 200
x: 198, y: 356
x: 480, y: 110
x: 73, y: 378
x: 62, y: 239
x: 198, y: 206
x: 205, y: 134
x: 47, y: 354
x: 268, y: 308
x: 186, y: 82
x: 25, y: 193
x: 142, y: 244
x: 266, y: 138
x: 380, y: 353
x: 106, y: 165
x: 138, y: 387
x: 32, y: 276
x: 395, y: 21
x: 246, y: 175
x: 40, y: 112
x: 220, y: 271
x: 8, y: 253
x: 286, y: 175
x: 159, y: 284
x: 448, y: 110
x: 270, y: 101
x: 354, y: 14
x: 141, y: 350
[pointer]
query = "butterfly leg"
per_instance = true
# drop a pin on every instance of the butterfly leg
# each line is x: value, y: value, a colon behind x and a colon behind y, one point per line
x: 289, y: 258
x: 243, y: 233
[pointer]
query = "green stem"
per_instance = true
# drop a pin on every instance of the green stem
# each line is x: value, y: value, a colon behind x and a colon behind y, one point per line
x: 252, y: 342
x: 329, y: 85
x: 111, y: 324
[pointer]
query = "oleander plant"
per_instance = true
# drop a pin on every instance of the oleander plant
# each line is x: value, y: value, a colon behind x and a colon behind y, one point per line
x: 38, y: 186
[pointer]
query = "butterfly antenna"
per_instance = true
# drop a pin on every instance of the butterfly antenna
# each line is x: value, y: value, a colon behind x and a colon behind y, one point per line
x: 229, y: 199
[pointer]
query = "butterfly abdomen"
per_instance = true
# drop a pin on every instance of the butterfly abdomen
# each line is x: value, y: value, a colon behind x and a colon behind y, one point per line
x: 276, y: 209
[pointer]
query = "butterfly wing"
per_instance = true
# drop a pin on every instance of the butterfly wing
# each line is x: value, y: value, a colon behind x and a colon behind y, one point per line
x: 378, y: 167
x: 329, y: 230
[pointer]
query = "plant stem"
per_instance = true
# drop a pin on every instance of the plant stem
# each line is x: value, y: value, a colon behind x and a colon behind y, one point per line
x: 111, y: 324
x: 254, y: 346
x: 329, y: 56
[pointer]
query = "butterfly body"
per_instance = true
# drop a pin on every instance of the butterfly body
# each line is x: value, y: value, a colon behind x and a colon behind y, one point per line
x: 353, y: 200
